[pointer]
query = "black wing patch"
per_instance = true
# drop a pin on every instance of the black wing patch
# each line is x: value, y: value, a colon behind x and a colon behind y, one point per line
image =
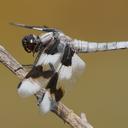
x: 67, y: 56
x: 53, y: 48
x: 53, y: 83
x: 37, y: 71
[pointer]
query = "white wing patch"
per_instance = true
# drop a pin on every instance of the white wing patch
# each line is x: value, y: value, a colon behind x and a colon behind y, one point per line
x: 46, y: 59
x: 78, y: 65
x: 45, y: 105
x: 69, y: 72
x: 42, y: 58
x: 27, y: 88
x: 65, y: 73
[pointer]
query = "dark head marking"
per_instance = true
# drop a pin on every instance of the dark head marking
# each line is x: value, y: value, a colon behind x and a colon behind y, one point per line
x: 30, y: 43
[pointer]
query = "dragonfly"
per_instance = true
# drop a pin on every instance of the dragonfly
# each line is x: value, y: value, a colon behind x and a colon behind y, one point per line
x: 59, y: 53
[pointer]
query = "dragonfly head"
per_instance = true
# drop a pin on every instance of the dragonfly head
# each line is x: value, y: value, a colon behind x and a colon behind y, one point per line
x: 30, y: 43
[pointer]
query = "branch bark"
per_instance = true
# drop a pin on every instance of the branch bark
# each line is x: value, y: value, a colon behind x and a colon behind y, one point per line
x: 66, y: 114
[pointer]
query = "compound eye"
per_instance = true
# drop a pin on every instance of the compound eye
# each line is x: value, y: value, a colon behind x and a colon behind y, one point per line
x: 31, y: 41
x: 25, y: 44
x: 24, y: 41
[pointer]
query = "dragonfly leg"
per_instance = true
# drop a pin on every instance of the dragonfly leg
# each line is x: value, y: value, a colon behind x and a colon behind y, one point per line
x: 24, y: 65
x: 27, y: 65
x: 18, y: 69
x: 52, y: 67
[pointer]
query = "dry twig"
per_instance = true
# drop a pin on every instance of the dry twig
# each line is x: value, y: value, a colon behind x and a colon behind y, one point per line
x: 60, y: 110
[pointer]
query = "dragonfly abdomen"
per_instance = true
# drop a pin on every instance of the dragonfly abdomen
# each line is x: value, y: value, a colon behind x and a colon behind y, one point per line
x: 85, y: 46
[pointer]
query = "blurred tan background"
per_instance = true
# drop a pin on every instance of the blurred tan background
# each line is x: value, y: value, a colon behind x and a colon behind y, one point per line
x: 102, y: 91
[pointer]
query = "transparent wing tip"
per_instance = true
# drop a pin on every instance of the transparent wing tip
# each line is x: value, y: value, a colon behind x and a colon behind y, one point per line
x: 16, y: 24
x: 20, y: 25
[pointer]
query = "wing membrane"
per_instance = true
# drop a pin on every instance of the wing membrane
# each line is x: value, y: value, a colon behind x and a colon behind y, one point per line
x: 39, y: 28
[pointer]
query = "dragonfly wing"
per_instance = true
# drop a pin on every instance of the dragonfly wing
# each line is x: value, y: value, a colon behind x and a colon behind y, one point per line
x: 69, y: 72
x: 39, y: 28
x: 46, y: 104
x: 78, y: 65
x: 27, y: 88
x: 46, y: 59
x: 65, y: 73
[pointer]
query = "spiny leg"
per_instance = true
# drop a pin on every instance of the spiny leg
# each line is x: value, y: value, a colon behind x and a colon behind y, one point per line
x: 26, y: 66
